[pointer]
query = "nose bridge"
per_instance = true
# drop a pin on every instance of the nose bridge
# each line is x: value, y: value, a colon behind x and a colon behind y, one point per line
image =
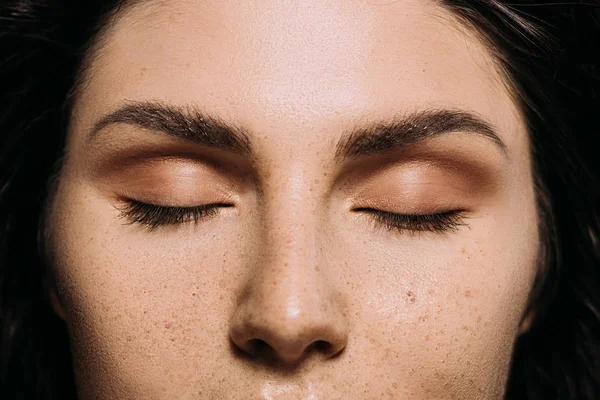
x: 293, y: 217
x: 288, y: 269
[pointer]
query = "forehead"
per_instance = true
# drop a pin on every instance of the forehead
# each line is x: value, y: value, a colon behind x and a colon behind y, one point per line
x: 296, y: 66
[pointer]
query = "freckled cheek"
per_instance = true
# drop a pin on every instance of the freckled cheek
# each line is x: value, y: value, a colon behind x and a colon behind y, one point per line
x: 124, y: 288
x: 454, y: 299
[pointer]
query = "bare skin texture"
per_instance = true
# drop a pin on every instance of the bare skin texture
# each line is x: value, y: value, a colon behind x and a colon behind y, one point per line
x: 292, y: 288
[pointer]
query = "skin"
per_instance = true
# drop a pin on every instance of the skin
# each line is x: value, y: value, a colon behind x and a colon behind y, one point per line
x: 344, y: 307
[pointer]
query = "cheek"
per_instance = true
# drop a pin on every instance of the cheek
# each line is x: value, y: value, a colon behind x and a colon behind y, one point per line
x: 445, y: 310
x: 142, y: 305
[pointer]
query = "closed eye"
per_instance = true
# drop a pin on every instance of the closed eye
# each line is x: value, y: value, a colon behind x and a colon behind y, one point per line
x: 438, y: 222
x: 154, y: 216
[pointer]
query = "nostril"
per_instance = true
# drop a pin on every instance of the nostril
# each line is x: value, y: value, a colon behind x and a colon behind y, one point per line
x: 256, y: 347
x: 326, y: 348
x: 259, y: 349
x: 321, y: 346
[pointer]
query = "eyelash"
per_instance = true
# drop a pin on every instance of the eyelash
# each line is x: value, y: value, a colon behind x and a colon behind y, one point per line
x: 447, y: 221
x: 154, y: 216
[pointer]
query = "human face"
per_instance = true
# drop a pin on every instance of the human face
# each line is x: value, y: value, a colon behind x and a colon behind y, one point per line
x: 292, y: 285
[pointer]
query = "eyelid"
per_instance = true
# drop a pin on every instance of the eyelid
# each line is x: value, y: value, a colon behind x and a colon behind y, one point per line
x: 188, y: 195
x: 420, y: 181
x: 175, y: 181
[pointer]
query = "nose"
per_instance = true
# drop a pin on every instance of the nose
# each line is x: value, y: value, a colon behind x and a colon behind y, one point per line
x: 286, y: 320
x: 288, y: 310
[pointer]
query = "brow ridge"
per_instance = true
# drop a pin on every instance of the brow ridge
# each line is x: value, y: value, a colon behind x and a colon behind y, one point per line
x: 189, y: 123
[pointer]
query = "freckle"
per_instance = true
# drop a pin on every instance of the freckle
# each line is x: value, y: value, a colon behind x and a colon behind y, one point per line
x: 468, y: 294
x: 285, y: 264
x: 316, y: 181
x: 168, y: 325
x: 317, y: 268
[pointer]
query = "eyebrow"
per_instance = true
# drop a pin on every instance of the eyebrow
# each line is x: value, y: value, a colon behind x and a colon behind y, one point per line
x: 186, y: 123
x: 191, y: 124
x: 411, y: 128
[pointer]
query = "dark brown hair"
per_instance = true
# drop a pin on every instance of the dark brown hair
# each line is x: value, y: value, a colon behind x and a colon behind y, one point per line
x: 549, y: 53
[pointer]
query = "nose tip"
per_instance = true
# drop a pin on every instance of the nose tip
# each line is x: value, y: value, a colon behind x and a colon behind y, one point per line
x: 288, y: 340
